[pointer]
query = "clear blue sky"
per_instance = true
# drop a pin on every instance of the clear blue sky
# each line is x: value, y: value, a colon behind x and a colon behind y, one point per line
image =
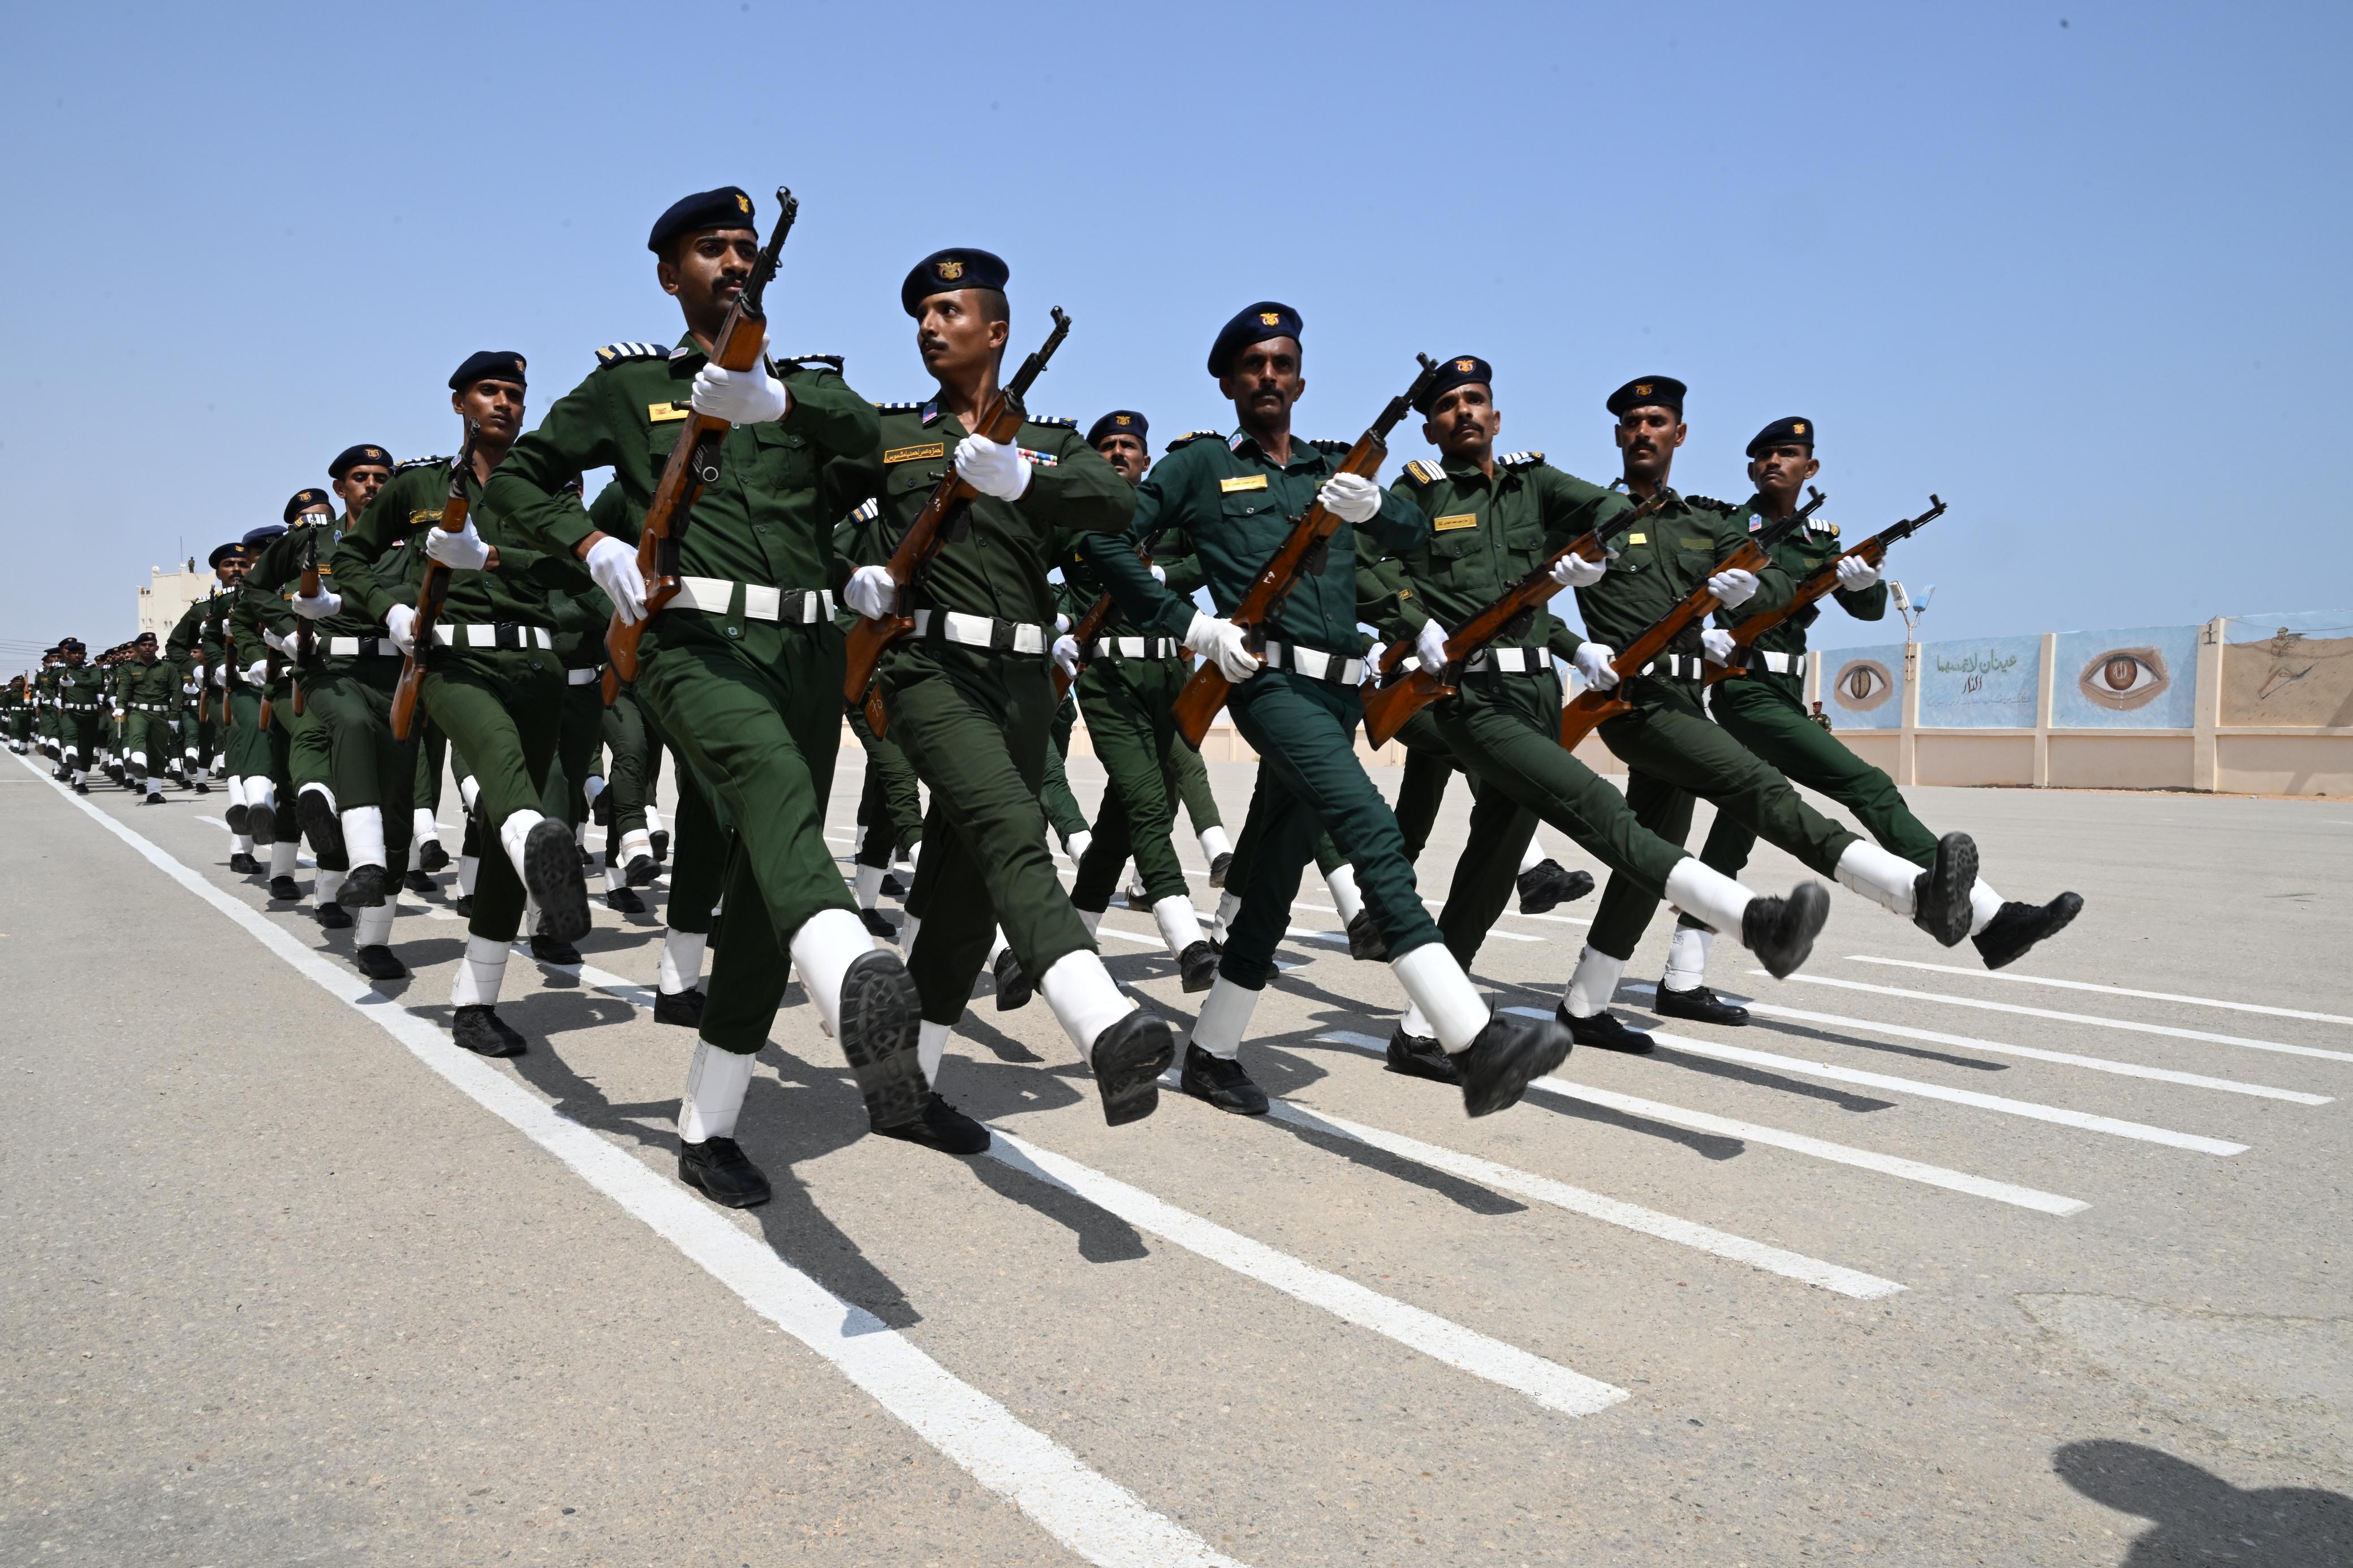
x: 2088, y: 281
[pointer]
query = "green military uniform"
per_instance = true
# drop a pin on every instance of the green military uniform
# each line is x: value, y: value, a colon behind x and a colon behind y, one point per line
x: 147, y: 690
x: 80, y: 693
x: 889, y: 800
x: 200, y: 714
x: 16, y: 714
x: 44, y: 691
x: 333, y: 758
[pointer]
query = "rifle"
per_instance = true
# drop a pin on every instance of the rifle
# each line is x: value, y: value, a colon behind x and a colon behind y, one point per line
x: 693, y: 463
x: 205, y: 676
x: 305, y: 643
x: 1301, y: 554
x: 432, y: 588
x: 999, y: 420
x: 1590, y: 706
x: 1401, y: 696
x: 1091, y: 624
x: 1819, y: 584
x: 270, y: 667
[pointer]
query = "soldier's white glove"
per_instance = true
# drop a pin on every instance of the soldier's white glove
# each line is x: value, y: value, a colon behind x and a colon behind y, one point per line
x: 871, y: 592
x: 1855, y: 573
x: 1160, y: 574
x: 614, y: 566
x: 1716, y: 643
x: 257, y: 672
x: 740, y: 396
x: 1351, y: 497
x: 327, y: 604
x: 1733, y: 589
x: 283, y: 645
x: 1066, y: 654
x: 1430, y: 645
x: 1592, y: 661
x: 400, y: 625
x: 1574, y: 570
x: 1223, y: 644
x: 463, y: 551
x: 993, y: 467
x: 1061, y: 622
x: 220, y: 677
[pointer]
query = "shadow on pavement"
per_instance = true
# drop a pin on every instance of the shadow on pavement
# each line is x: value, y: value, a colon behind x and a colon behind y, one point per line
x: 2199, y: 1517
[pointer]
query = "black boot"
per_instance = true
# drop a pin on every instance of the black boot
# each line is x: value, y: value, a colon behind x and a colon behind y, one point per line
x: 624, y: 901
x: 1127, y: 1059
x: 1013, y: 987
x: 244, y: 865
x: 284, y: 889
x: 1221, y: 1081
x: 659, y: 839
x: 1198, y: 965
x: 1780, y: 931
x: 876, y: 926
x: 464, y: 906
x: 262, y: 821
x: 201, y: 787
x: 942, y: 1126
x: 719, y: 1170
x: 891, y: 887
x: 418, y: 882
x: 377, y: 963
x: 1548, y: 884
x: 363, y: 888
x: 238, y: 818
x: 1603, y: 1031
x: 640, y: 871
x: 322, y: 826
x: 683, y: 1008
x: 333, y: 916
x: 1417, y: 1057
x: 81, y: 786
x: 1366, y: 944
x: 881, y: 1019
x: 1940, y: 897
x: 553, y: 950
x: 432, y: 857
x: 1700, y: 1004
x: 551, y: 864
x: 481, y: 1030
x: 2018, y: 927
x: 1218, y: 868
x: 1510, y: 1053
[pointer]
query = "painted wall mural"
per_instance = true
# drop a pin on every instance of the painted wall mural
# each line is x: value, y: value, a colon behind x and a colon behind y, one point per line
x: 2142, y: 678
x: 2288, y: 669
x: 1987, y: 684
x: 1863, y: 687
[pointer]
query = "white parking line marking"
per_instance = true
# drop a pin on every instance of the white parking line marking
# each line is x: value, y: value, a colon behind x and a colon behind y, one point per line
x: 2165, y: 1029
x: 1094, y: 1517
x: 2106, y: 989
x: 1553, y: 1386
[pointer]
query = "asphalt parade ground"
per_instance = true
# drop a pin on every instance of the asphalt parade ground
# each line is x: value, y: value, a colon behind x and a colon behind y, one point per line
x: 1925, y: 1265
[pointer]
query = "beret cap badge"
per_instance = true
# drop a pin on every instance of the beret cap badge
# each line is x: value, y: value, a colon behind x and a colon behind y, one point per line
x: 951, y: 271
x: 1465, y: 366
x: 1269, y: 319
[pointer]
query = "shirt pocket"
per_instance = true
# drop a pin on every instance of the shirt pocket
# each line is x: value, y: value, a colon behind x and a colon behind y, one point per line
x: 783, y: 459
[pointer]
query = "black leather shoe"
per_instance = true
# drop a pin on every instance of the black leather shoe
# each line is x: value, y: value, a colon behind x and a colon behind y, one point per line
x: 553, y: 950
x: 1780, y: 931
x: 201, y: 787
x: 333, y: 916
x: 876, y: 926
x: 363, y: 888
x: 551, y: 865
x: 81, y: 786
x: 238, y: 818
x: 418, y: 882
x: 1013, y: 987
x: 683, y: 1008
x: 640, y: 871
x: 463, y: 905
x: 1548, y: 884
x: 114, y: 771
x: 432, y: 857
x: 586, y: 860
x: 1940, y: 897
x: 891, y: 887
x: 624, y: 901
x: 284, y: 889
x: 1127, y: 1059
x: 659, y: 839
x: 719, y: 1170
x: 1198, y: 965
x: 262, y: 821
x: 1221, y: 1081
x: 2018, y: 927
x: 481, y: 1030
x: 1603, y: 1031
x: 1510, y: 1053
x: 600, y: 810
x: 322, y: 826
x: 244, y: 865
x: 151, y: 800
x: 942, y: 1126
x: 1415, y: 1057
x: 1366, y: 944
x: 1701, y: 1005
x: 882, y: 1018
x: 376, y: 962
x: 1218, y: 868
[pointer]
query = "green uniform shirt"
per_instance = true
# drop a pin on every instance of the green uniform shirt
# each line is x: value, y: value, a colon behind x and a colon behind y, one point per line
x: 1800, y: 554
x: 81, y: 687
x: 157, y: 684
x: 1082, y: 584
x: 380, y: 561
x: 275, y: 577
x: 1672, y: 552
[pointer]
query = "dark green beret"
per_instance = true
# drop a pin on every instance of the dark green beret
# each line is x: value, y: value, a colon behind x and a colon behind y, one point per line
x: 945, y: 271
x: 1461, y: 371
x: 1119, y: 422
x: 1649, y: 392
x: 1255, y: 324
x: 1792, y: 429
x: 351, y: 457
x: 726, y: 208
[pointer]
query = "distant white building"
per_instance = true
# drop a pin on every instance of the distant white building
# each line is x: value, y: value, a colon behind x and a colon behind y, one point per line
x: 168, y: 594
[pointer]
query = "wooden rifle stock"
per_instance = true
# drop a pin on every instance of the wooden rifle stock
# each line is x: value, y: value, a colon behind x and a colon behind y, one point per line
x: 1591, y: 708
x: 305, y: 641
x: 1098, y: 615
x: 1819, y: 584
x: 432, y: 588
x: 270, y: 667
x: 1403, y: 695
x: 999, y: 421
x: 1206, y: 690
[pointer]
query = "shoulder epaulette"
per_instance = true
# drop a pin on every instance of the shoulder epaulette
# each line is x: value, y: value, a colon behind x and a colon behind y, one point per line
x: 811, y: 362
x: 1712, y: 504
x: 1520, y: 459
x: 614, y: 353
x: 1424, y: 474
x: 1190, y: 436
x: 1052, y: 420
x: 421, y: 463
x: 900, y: 407
x: 867, y: 510
x: 1337, y: 449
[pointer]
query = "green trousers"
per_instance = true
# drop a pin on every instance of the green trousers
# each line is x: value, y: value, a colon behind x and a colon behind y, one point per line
x: 976, y: 726
x: 890, y: 801
x: 1189, y: 780
x: 500, y: 708
x: 1674, y: 754
x: 351, y: 702
x: 1430, y: 765
x: 1062, y: 810
x: 1310, y: 784
x: 760, y: 736
x: 700, y: 842
x: 1130, y: 718
x: 432, y: 751
x: 628, y: 779
x: 147, y: 735
x: 1327, y: 855
x: 580, y: 732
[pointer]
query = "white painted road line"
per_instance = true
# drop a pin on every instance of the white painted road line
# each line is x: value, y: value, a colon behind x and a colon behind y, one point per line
x: 2106, y: 989
x: 1467, y: 1350
x: 1795, y: 1143
x: 2031, y: 1053
x: 1093, y: 1517
x: 2060, y: 1116
x: 2165, y: 1029
x: 1593, y: 1205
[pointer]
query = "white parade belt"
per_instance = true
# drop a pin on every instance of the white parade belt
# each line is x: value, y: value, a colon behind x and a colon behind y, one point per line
x: 981, y: 632
x: 716, y: 597
x: 1132, y: 648
x: 362, y: 647
x: 1314, y: 664
x: 500, y: 634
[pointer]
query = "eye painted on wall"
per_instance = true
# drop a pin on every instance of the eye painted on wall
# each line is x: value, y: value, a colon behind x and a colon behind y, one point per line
x: 2124, y: 679
x: 1861, y: 685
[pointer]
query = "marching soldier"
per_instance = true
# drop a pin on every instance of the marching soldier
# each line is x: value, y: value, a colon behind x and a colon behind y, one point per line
x: 1672, y: 752
x: 82, y: 706
x: 147, y: 690
x: 15, y: 711
x: 193, y: 646
x: 266, y: 602
x: 267, y: 676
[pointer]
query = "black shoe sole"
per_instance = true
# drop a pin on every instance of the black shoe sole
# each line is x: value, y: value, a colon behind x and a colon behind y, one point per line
x: 1127, y: 1068
x: 1955, y: 875
x: 1014, y: 987
x: 551, y: 864
x: 432, y: 857
x: 1499, y: 1076
x: 261, y: 823
x: 363, y: 889
x: 1218, y: 868
x: 1783, y: 950
x: 1202, y: 974
x: 237, y: 817
x: 320, y: 825
x: 2057, y: 916
x: 881, y: 1019
x: 640, y: 873
x: 1365, y: 942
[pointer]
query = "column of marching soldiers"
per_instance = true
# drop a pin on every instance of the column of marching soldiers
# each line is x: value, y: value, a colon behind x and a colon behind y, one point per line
x: 1060, y: 565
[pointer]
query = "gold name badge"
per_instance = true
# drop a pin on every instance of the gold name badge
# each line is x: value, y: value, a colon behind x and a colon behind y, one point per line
x: 1244, y: 482
x: 662, y: 413
x: 1459, y: 520
x: 1638, y: 539
x: 915, y: 454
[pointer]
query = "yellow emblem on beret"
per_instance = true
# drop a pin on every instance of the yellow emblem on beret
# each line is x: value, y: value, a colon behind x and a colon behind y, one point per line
x: 742, y: 202
x: 374, y: 453
x: 1269, y: 318
x: 1642, y: 389
x: 1466, y: 366
x: 1798, y: 428
x: 950, y: 269
x: 1122, y: 419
